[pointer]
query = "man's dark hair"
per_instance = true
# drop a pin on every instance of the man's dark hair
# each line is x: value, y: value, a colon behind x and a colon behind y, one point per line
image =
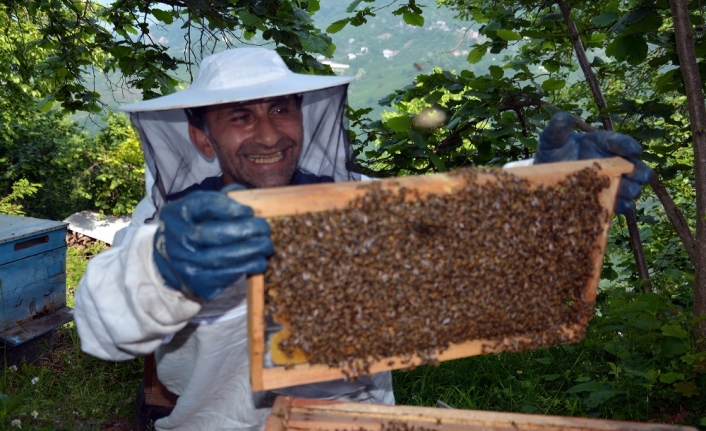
x: 197, y: 114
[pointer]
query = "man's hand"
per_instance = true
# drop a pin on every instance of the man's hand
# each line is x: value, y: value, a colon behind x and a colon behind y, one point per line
x: 206, y: 241
x: 558, y: 143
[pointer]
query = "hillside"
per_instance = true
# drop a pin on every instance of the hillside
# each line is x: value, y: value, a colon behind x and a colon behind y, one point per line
x: 384, y: 55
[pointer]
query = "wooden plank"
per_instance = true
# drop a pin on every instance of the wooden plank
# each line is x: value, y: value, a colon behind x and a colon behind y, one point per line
x: 300, y: 414
x: 35, y: 284
x: 14, y: 228
x: 256, y: 329
x: 34, y: 328
x: 282, y: 201
x: 298, y: 374
x: 293, y: 200
x: 156, y: 394
x: 12, y: 251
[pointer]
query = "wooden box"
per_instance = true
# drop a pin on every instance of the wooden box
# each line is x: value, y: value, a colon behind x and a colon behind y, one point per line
x: 32, y: 278
x: 321, y: 415
x: 276, y: 202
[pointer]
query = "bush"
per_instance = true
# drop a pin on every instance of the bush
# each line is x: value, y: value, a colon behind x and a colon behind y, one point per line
x: 76, y: 172
x: 114, y: 177
x: 40, y: 152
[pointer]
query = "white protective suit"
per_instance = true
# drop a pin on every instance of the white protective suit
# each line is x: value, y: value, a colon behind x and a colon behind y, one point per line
x: 123, y: 308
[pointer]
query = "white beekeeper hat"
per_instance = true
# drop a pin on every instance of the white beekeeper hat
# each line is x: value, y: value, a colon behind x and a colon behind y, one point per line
x: 239, y: 75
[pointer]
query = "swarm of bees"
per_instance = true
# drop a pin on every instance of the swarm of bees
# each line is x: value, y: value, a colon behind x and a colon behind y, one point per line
x: 396, y: 426
x: 399, y: 275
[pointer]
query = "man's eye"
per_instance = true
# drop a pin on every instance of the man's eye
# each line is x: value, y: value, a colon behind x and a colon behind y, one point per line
x: 240, y: 118
x: 281, y: 111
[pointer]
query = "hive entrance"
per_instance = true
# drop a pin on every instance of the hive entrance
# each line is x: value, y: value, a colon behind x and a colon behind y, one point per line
x: 403, y: 276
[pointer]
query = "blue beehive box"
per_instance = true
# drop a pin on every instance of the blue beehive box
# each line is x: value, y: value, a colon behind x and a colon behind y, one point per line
x: 32, y: 278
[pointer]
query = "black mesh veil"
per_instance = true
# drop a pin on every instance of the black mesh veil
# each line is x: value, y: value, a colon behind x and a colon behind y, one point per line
x: 173, y: 163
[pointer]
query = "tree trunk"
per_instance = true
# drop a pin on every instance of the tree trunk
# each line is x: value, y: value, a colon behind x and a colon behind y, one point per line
x: 697, y: 116
x: 635, y: 244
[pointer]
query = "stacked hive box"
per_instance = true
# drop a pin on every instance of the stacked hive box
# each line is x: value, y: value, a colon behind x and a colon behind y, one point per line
x: 32, y: 278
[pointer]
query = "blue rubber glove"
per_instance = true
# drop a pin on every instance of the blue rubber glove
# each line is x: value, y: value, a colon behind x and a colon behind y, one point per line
x: 206, y: 241
x: 558, y: 143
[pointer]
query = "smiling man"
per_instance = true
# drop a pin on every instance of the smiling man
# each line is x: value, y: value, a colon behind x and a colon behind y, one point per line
x: 174, y: 281
x: 258, y: 142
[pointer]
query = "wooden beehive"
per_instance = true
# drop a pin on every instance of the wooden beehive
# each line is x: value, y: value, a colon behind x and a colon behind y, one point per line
x: 284, y: 201
x: 32, y: 278
x: 321, y: 415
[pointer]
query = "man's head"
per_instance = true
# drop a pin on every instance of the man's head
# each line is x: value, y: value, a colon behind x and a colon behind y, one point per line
x: 257, y: 142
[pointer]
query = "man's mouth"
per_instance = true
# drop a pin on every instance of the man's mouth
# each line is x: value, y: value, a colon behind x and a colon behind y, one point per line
x: 272, y: 158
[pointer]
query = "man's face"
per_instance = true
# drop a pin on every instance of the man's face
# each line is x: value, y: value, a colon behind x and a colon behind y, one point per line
x: 257, y: 142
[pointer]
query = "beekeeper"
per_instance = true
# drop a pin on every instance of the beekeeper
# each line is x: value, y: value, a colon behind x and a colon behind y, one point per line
x: 173, y: 282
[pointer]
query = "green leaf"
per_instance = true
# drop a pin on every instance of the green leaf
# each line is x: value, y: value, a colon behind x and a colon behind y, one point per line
x: 337, y: 26
x: 551, y: 66
x: 688, y: 389
x: 553, y: 84
x: 670, y: 377
x: 508, y: 35
x: 586, y: 387
x: 412, y: 18
x: 605, y: 19
x: 477, y: 54
x: 45, y: 104
x: 315, y: 44
x: 496, y: 71
x: 163, y: 15
x: 354, y: 4
x: 596, y: 399
x: 438, y: 163
x: 313, y: 6
x: 674, y: 331
x: 550, y: 377
x: 529, y: 143
x: 644, y: 324
x: 545, y: 360
x: 631, y: 48
x: 650, y: 21
x: 399, y: 124
x: 417, y: 138
x: 249, y: 19
x: 697, y: 319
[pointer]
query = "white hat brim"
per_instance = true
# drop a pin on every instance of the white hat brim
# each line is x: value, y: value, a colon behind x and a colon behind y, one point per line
x: 292, y: 83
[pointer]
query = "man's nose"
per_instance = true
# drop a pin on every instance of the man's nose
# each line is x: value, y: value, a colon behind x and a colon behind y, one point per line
x: 268, y: 133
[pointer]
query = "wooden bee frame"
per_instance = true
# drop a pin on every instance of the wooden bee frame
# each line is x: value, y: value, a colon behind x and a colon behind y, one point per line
x: 283, y: 201
x: 322, y: 415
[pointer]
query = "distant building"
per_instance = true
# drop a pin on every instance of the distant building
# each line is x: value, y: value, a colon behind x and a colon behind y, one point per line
x: 351, y: 40
x: 384, y: 36
x: 351, y: 56
x: 364, y: 50
x: 388, y: 53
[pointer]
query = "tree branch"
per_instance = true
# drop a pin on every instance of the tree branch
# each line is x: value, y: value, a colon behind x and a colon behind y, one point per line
x: 642, y: 270
x: 697, y: 116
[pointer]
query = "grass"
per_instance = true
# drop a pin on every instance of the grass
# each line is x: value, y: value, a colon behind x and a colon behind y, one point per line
x: 71, y: 390
x: 654, y: 374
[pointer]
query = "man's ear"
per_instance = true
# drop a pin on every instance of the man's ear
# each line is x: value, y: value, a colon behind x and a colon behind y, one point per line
x: 202, y: 141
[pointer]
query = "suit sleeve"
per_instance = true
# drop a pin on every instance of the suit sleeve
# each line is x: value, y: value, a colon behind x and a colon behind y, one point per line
x: 122, y: 307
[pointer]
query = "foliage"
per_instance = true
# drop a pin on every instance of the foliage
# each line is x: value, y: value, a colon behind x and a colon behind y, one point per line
x: 637, y: 363
x: 105, y: 173
x: 40, y: 152
x: 20, y: 189
x: 78, y: 39
x: 113, y: 176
